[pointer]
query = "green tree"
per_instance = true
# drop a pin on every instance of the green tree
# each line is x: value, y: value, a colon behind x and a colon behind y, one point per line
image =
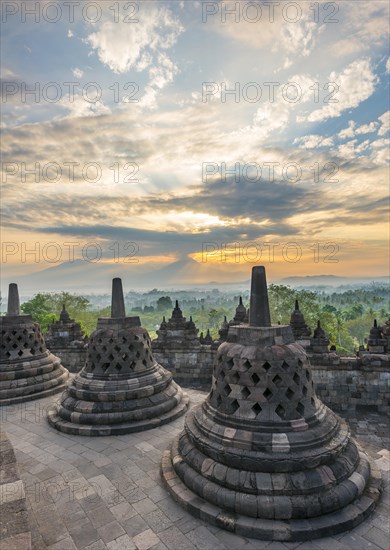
x: 164, y: 303
x: 282, y: 299
x: 45, y: 307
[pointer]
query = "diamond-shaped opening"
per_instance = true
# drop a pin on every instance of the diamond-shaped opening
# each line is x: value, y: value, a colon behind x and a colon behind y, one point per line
x: 266, y: 366
x: 104, y: 348
x: 296, y: 378
x: 117, y: 349
x: 234, y: 406
x: 124, y: 357
x: 246, y: 364
x: 105, y: 366
x: 222, y: 375
x: 255, y: 378
x: 230, y: 363
x: 277, y: 380
x: 280, y: 411
x: 19, y: 337
x: 285, y: 365
x: 219, y: 400
x: 15, y: 345
x: 14, y: 332
x: 235, y: 377
x: 132, y: 365
x: 111, y: 341
x: 100, y: 340
x: 301, y: 409
x: 131, y: 347
x: 118, y: 367
x: 144, y: 362
x: 289, y: 393
x: 8, y: 339
x: 245, y: 392
x: 256, y: 408
x: 312, y: 402
x: 20, y: 353
x: 304, y: 391
x: 32, y: 351
x: 136, y: 337
x: 138, y: 355
x: 227, y: 389
x: 98, y: 356
x: 308, y: 375
x: 41, y: 349
x: 111, y: 357
x: 300, y: 364
x: 268, y: 393
x: 8, y: 354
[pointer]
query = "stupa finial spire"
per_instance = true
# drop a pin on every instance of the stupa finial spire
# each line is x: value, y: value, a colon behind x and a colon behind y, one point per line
x: 259, y: 315
x: 13, y: 300
x: 117, y: 300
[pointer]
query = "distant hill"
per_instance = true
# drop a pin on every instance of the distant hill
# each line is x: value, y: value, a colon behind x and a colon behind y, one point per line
x: 85, y: 278
x: 331, y: 281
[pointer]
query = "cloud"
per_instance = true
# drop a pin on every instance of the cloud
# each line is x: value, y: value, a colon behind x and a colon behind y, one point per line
x: 356, y: 83
x: 266, y: 27
x: 143, y: 46
x: 347, y: 132
x: 385, y: 123
x: 313, y: 141
x: 366, y: 128
x: 353, y: 130
x: 77, y: 73
x: 363, y: 30
x: 79, y: 107
x: 122, y: 45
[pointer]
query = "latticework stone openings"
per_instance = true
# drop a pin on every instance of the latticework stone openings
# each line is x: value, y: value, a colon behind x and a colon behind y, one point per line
x: 27, y: 368
x: 263, y: 456
x: 121, y: 388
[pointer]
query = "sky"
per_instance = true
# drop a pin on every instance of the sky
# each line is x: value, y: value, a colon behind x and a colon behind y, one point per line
x: 180, y: 131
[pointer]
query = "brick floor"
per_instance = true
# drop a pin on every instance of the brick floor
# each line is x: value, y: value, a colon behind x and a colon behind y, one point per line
x: 106, y: 493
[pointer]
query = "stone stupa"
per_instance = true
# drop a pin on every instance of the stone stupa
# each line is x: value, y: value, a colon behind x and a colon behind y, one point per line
x: 121, y: 388
x: 27, y: 368
x: 262, y: 456
x: 298, y: 324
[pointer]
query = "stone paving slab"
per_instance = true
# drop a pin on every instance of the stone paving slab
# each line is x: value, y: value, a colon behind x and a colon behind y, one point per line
x: 89, y: 494
x: 15, y: 531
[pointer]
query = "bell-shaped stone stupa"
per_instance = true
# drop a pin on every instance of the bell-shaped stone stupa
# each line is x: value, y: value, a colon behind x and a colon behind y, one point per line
x: 263, y: 456
x: 27, y: 368
x: 121, y: 388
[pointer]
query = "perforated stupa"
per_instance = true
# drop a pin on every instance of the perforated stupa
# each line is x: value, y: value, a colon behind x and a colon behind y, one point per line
x: 27, y: 368
x: 121, y: 388
x: 263, y: 456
